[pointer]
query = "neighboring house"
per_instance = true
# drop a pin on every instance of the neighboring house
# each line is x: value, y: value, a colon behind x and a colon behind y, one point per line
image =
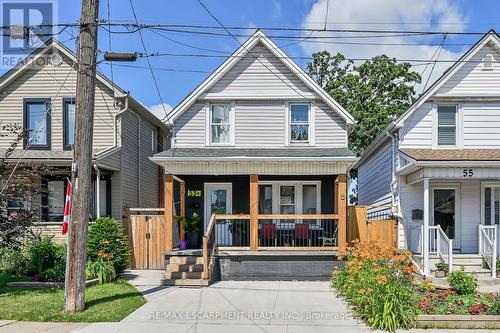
x: 259, y: 136
x: 439, y: 162
x: 42, y: 99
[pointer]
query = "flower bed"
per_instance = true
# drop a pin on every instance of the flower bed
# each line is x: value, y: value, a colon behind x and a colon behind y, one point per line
x: 379, y: 283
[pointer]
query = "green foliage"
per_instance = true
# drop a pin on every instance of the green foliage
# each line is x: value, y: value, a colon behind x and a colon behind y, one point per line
x: 46, y: 258
x: 375, y: 92
x: 101, y: 269
x: 441, y: 266
x: 494, y: 308
x: 448, y: 302
x: 464, y: 283
x: 192, y: 224
x: 13, y: 261
x: 107, y: 241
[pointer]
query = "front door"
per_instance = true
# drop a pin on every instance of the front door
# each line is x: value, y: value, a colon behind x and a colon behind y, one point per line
x: 218, y: 200
x: 445, y: 212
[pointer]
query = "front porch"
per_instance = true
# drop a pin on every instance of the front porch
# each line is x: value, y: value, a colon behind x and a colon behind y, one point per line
x: 451, y: 215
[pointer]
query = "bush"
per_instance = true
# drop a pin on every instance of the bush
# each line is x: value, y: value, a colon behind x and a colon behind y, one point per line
x: 46, y: 259
x: 101, y: 269
x: 464, y: 283
x: 107, y: 241
x: 13, y: 261
x: 494, y: 309
x: 377, y: 282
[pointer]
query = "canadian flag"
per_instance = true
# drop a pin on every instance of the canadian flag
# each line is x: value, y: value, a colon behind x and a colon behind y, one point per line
x: 67, y: 209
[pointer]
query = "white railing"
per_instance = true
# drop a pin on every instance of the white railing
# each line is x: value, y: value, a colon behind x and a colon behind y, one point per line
x: 488, y: 246
x: 441, y: 245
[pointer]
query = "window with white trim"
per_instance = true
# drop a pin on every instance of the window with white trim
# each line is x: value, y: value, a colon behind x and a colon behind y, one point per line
x: 447, y: 125
x: 220, y: 124
x: 299, y: 123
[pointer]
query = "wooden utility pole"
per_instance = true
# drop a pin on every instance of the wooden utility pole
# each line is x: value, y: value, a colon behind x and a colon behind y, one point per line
x: 74, y: 297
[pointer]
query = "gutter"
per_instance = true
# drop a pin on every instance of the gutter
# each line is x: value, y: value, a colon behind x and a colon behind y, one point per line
x: 253, y: 159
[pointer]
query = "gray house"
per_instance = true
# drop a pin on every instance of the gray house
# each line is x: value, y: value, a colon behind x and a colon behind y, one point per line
x: 438, y: 165
x: 261, y: 151
x: 39, y: 94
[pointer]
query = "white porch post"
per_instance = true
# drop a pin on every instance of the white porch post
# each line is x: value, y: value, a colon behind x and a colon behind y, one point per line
x: 425, y: 240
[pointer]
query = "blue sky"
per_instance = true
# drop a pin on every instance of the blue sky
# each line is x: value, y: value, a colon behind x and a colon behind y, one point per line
x: 442, y: 15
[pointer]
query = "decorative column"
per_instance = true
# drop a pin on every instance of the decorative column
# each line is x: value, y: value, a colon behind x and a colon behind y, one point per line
x: 425, y: 236
x: 169, y: 212
x: 254, y: 211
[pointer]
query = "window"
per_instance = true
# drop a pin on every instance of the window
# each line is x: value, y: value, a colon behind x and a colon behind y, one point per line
x: 309, y: 199
x: 488, y: 62
x: 287, y: 199
x: 299, y: 122
x: 69, y: 109
x: 220, y: 124
x: 153, y: 140
x: 37, y: 123
x: 447, y: 125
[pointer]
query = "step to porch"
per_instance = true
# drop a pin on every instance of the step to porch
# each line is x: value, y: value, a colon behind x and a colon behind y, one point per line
x: 184, y: 270
x: 472, y: 263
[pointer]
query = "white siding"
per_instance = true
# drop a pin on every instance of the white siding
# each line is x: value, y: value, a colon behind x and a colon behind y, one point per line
x: 265, y: 77
x: 375, y: 176
x: 417, y: 130
x: 189, y: 128
x: 330, y: 127
x: 472, y: 80
x: 481, y: 125
x: 260, y: 124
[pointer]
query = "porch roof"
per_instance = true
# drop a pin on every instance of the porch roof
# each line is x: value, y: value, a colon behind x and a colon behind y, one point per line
x: 453, y: 154
x: 222, y: 154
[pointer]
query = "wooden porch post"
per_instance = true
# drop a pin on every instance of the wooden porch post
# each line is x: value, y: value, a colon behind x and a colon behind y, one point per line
x: 342, y: 209
x: 169, y: 211
x: 182, y: 208
x: 254, y: 211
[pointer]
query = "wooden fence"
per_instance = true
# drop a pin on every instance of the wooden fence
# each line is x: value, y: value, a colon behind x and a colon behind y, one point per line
x: 362, y: 228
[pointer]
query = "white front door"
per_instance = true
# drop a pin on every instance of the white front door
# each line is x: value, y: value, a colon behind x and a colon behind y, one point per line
x: 446, y: 212
x: 218, y: 200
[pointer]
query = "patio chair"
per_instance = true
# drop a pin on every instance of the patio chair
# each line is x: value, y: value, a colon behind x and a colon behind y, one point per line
x: 329, y: 233
x: 302, y: 234
x: 268, y: 234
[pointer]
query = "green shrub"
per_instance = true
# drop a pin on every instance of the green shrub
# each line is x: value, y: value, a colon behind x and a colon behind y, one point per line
x: 13, y: 261
x: 46, y: 258
x: 494, y: 309
x: 101, y: 269
x: 464, y: 283
x: 107, y: 241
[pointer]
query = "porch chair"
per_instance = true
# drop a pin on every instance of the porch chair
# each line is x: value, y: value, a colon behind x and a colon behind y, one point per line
x: 301, y: 234
x: 268, y: 234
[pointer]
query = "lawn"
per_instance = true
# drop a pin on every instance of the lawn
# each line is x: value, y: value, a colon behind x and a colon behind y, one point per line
x: 108, y: 302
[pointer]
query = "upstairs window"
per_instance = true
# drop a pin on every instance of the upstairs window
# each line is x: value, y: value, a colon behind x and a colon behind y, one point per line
x: 220, y: 124
x: 447, y: 125
x: 37, y: 123
x: 69, y: 109
x: 488, y: 62
x: 299, y: 123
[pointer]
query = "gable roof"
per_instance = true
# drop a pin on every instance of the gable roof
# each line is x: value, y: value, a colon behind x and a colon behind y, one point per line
x: 490, y: 38
x: 237, y: 55
x: 24, y: 65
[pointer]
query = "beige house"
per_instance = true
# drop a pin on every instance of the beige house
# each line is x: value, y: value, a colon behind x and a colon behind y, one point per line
x: 39, y: 94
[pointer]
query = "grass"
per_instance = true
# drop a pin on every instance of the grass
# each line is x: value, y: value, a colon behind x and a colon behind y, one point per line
x: 108, y: 302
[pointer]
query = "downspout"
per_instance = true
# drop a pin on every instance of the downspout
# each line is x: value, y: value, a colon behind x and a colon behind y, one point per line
x: 97, y: 191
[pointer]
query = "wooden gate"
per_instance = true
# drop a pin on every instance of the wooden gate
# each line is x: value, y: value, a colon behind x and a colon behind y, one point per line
x: 363, y: 228
x: 147, y: 240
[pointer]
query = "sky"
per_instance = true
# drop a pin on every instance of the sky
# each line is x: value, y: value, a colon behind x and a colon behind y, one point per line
x: 177, y: 76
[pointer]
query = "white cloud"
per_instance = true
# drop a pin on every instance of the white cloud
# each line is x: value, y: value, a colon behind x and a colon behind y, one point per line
x: 159, y: 110
x: 423, y: 15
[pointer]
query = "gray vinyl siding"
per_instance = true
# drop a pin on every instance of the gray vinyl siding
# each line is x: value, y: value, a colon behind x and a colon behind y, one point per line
x: 472, y: 80
x: 375, y: 176
x: 149, y: 170
x: 46, y: 83
x: 266, y: 76
x: 129, y: 177
x: 116, y: 203
x: 331, y: 129
x: 189, y: 128
x: 260, y: 123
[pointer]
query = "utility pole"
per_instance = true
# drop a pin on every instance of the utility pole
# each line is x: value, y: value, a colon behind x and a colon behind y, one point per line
x: 74, y: 296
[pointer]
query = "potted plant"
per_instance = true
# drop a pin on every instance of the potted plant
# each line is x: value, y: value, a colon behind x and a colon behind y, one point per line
x: 192, y: 228
x: 442, y: 270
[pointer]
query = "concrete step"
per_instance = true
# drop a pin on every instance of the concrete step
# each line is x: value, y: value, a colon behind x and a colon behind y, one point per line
x: 184, y: 268
x: 186, y: 282
x: 185, y: 260
x: 442, y: 283
x: 182, y: 275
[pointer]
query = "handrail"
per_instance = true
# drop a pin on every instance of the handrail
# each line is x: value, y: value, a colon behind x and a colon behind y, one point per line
x: 210, y: 225
x: 441, y: 238
x: 486, y: 242
x: 208, y: 257
x: 297, y: 216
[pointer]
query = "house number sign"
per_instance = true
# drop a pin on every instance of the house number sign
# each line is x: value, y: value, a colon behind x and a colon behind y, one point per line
x: 194, y: 193
x: 468, y: 173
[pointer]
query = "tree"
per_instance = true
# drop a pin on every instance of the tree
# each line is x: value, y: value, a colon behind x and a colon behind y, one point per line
x: 375, y: 92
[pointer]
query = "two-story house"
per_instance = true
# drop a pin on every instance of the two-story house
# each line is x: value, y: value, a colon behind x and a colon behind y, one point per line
x: 39, y: 95
x: 439, y: 164
x: 261, y: 150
